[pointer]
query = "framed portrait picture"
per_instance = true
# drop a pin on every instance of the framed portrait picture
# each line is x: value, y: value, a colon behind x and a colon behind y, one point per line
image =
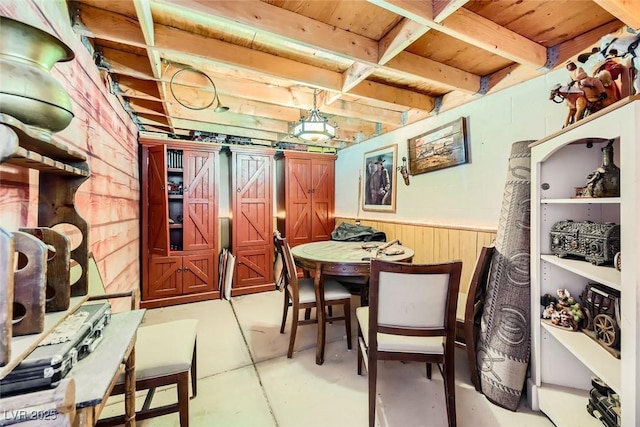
x: 379, y: 183
x: 440, y: 148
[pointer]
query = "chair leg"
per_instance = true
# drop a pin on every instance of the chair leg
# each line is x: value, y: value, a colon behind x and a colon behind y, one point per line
x: 360, y: 358
x: 373, y: 373
x: 450, y: 389
x: 330, y: 309
x: 183, y: 398
x: 284, y: 310
x: 194, y: 373
x: 429, y: 371
x: 307, y: 313
x: 347, y: 321
x: 294, y: 329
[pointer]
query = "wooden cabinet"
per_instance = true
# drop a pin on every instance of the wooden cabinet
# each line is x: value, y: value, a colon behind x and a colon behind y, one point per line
x: 179, y: 222
x: 252, y: 220
x: 177, y: 275
x: 305, y: 186
x: 563, y: 362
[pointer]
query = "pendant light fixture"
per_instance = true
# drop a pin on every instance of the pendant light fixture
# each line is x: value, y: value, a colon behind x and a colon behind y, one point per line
x: 315, y: 127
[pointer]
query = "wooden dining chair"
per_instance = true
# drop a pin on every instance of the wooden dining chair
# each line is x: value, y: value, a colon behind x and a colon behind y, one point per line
x: 411, y: 317
x: 469, y: 311
x: 165, y: 355
x: 299, y: 293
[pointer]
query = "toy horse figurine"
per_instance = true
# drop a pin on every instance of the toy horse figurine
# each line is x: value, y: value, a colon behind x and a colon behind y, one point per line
x: 582, y: 101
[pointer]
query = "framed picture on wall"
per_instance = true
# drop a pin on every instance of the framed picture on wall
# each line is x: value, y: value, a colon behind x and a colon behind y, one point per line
x: 379, y: 183
x: 439, y: 148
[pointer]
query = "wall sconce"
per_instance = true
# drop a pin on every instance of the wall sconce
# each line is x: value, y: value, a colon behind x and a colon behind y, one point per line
x: 403, y: 171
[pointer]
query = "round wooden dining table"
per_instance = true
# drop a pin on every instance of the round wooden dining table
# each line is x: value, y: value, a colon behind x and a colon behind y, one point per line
x: 333, y: 258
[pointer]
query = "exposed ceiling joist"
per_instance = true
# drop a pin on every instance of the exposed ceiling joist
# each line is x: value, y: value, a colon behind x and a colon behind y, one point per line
x: 628, y: 11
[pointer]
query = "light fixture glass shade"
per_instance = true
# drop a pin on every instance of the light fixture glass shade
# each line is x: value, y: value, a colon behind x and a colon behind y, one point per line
x: 314, y: 128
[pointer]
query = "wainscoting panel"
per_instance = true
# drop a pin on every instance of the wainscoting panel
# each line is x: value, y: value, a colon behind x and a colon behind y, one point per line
x: 436, y: 244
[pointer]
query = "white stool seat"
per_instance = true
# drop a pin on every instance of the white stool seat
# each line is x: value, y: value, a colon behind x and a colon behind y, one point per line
x: 177, y: 337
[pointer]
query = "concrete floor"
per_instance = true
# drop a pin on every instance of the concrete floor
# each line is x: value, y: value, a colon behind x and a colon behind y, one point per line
x: 246, y: 380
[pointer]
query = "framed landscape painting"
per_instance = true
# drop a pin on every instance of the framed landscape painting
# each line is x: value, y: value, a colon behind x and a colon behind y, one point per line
x: 379, y: 184
x: 440, y: 148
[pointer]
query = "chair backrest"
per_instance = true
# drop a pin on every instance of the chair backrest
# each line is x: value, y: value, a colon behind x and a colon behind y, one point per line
x: 413, y: 299
x: 278, y: 262
x: 478, y: 285
x: 289, y: 266
x: 97, y: 291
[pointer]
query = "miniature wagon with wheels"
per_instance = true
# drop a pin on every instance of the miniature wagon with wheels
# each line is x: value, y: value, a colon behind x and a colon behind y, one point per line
x: 602, y: 308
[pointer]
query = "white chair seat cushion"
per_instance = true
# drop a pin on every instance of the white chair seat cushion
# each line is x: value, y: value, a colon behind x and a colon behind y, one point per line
x: 164, y: 349
x: 462, y: 304
x: 332, y: 291
x: 399, y: 343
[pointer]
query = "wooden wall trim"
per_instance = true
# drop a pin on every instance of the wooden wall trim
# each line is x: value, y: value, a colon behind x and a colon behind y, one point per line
x: 418, y: 223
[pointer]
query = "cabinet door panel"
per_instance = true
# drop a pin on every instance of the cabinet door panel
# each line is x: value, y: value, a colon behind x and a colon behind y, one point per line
x: 158, y: 209
x: 299, y: 186
x: 198, y: 273
x: 199, y: 225
x: 323, y: 189
x: 252, y: 204
x: 254, y: 267
x: 165, y: 279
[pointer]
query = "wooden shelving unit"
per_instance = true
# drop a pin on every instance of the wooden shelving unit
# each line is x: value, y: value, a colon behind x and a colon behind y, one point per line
x: 62, y: 171
x: 563, y: 362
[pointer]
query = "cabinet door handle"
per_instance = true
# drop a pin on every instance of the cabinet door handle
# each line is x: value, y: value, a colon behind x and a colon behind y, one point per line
x: 185, y: 189
x: 179, y: 270
x: 238, y: 190
x: 185, y: 269
x: 162, y: 187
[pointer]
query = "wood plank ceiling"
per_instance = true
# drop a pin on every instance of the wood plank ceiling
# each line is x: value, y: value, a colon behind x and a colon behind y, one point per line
x: 378, y: 65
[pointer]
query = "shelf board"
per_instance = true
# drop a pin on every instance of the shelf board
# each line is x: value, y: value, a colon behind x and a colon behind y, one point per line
x: 175, y: 225
x: 23, y: 345
x: 176, y: 196
x: 30, y: 159
x: 582, y: 201
x: 40, y: 141
x: 590, y: 353
x: 176, y: 170
x: 608, y: 276
x: 566, y: 406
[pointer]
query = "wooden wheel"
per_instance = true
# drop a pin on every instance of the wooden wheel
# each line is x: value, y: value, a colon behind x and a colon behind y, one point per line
x: 606, y: 330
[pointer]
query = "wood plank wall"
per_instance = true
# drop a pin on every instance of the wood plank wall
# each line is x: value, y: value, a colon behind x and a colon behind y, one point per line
x: 109, y: 200
x: 436, y: 244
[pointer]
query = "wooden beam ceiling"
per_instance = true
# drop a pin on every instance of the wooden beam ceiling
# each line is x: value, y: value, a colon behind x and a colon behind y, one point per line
x: 373, y: 83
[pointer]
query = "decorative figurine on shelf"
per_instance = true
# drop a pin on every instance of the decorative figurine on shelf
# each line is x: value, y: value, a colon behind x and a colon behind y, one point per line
x: 604, y: 181
x: 583, y: 80
x: 584, y: 94
x: 563, y: 312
